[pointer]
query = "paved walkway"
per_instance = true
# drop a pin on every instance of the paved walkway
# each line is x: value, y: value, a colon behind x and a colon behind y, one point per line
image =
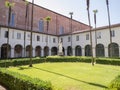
x: 2, y: 88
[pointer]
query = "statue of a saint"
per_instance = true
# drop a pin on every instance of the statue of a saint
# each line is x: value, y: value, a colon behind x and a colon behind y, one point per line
x: 60, y: 48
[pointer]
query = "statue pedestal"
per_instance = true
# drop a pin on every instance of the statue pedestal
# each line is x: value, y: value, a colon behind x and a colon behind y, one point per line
x: 60, y: 53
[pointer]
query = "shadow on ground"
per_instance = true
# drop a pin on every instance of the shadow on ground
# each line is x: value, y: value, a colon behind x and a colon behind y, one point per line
x: 90, y: 83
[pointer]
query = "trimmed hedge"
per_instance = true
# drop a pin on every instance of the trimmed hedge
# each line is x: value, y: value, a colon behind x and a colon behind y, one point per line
x: 115, y: 84
x: 26, y: 61
x: 67, y: 59
x: 108, y: 61
x: 21, y: 61
x: 15, y: 81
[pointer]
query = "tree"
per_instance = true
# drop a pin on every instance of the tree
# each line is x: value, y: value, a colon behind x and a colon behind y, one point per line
x: 47, y: 19
x: 95, y: 11
x: 8, y: 5
x: 31, y: 49
x: 88, y: 4
x: 108, y: 11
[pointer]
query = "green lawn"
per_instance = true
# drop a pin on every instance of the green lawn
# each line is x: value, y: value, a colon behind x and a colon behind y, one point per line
x: 72, y: 76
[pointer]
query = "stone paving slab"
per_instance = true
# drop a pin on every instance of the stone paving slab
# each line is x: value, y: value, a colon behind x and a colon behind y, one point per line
x: 2, y: 88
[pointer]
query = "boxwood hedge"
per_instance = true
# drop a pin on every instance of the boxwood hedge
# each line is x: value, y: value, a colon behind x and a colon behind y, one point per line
x: 26, y: 61
x: 19, y: 62
x: 15, y: 81
x: 115, y: 84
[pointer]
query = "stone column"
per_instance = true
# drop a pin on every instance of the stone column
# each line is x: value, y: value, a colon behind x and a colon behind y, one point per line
x: 65, y: 52
x: 106, y: 52
x: 33, y: 52
x: 119, y: 51
x: 42, y: 52
x: 49, y: 52
x: 12, y: 53
x: 0, y: 52
x: 23, y: 52
x: 73, y: 51
x: 83, y: 52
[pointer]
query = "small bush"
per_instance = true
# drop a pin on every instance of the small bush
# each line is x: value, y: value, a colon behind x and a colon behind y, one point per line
x: 115, y: 84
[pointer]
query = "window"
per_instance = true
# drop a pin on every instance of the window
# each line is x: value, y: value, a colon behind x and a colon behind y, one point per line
x: 6, y: 34
x: 12, y: 20
x: 18, y: 35
x: 77, y: 38
x: 87, y: 36
x: 69, y: 39
x: 61, y: 39
x: 41, y: 25
x: 112, y: 33
x: 98, y: 35
x: 61, y: 30
x: 28, y: 36
x: 54, y: 40
x: 38, y: 38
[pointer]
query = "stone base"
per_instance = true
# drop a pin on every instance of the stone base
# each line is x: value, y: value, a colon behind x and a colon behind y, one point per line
x: 60, y: 53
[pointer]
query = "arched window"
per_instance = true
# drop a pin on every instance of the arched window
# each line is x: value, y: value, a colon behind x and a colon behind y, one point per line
x: 41, y: 25
x: 113, y: 50
x: 100, y: 52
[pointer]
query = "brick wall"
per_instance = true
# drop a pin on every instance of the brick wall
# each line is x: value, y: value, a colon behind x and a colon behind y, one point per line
x: 57, y: 21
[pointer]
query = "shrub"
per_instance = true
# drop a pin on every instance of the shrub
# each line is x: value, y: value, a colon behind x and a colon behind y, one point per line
x: 15, y: 81
x: 68, y: 59
x: 19, y: 62
x: 115, y: 84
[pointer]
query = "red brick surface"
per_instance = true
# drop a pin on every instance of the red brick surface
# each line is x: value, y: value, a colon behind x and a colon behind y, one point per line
x: 57, y: 21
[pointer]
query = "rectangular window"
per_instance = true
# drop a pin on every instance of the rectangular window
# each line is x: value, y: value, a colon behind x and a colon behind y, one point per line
x: 77, y: 38
x: 61, y: 30
x: 69, y: 39
x: 12, y: 20
x: 98, y: 35
x: 112, y: 33
x: 38, y: 38
x: 41, y: 25
x: 28, y: 36
x: 18, y: 35
x: 6, y: 34
x: 61, y: 39
x: 54, y: 40
x: 87, y: 36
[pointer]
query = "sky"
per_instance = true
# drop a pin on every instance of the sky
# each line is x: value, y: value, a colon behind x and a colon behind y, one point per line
x: 78, y: 7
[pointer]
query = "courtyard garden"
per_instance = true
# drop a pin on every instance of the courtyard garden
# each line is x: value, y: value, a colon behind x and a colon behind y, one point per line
x: 67, y: 75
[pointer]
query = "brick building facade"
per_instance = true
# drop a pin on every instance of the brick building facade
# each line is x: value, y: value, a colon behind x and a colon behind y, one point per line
x: 21, y: 15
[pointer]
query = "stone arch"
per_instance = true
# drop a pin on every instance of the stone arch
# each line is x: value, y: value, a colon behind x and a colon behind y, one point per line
x: 5, y: 51
x: 18, y: 51
x: 69, y: 50
x: 38, y: 51
x: 78, y: 51
x: 54, y: 51
x: 100, y: 52
x: 28, y: 51
x: 46, y: 51
x: 88, y: 50
x: 113, y: 50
